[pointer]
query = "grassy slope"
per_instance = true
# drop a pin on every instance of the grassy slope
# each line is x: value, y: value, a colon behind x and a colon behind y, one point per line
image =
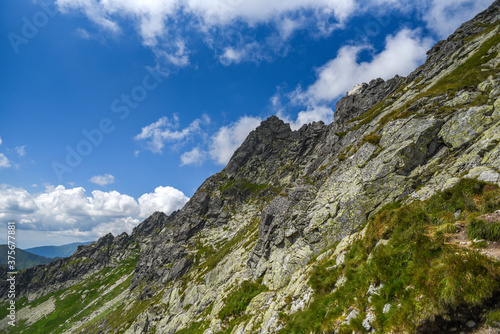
x: 78, y: 301
x: 23, y: 258
x: 420, y: 274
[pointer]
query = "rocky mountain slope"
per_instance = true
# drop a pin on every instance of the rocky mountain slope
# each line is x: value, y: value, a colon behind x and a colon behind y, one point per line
x: 384, y: 221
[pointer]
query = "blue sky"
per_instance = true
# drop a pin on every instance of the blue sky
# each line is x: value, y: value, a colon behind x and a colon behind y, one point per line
x: 110, y: 110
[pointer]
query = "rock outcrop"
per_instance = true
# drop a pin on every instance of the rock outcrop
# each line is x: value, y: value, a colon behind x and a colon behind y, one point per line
x: 292, y: 206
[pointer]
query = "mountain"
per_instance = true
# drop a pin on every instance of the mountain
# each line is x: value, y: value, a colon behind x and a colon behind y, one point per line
x: 23, y: 259
x: 56, y: 251
x: 386, y: 220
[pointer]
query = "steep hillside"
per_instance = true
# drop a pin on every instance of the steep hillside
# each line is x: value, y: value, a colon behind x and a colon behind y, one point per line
x: 24, y: 259
x: 56, y: 251
x: 385, y: 220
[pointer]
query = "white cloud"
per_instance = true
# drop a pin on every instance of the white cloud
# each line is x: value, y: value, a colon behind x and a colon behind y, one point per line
x: 402, y: 54
x: 4, y: 161
x: 230, y: 137
x: 444, y: 16
x: 174, y: 53
x: 164, y: 130
x: 21, y: 150
x: 102, y: 180
x: 83, y: 33
x: 112, y: 204
x: 165, y: 199
x: 232, y: 56
x: 70, y: 212
x: 194, y: 157
x: 313, y: 114
x: 220, y: 12
x: 93, y: 10
x: 167, y: 26
x: 16, y: 200
x: 157, y: 21
x: 0, y: 140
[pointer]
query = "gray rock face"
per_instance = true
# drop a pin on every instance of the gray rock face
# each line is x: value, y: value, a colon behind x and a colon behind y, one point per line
x: 287, y: 196
x: 354, y: 105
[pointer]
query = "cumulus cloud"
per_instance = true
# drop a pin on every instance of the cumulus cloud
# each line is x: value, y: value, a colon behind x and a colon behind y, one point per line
x: 92, y: 10
x: 230, y: 137
x: 102, y: 180
x: 0, y: 140
x: 194, y: 157
x: 16, y: 200
x: 175, y: 53
x: 4, y: 161
x: 71, y: 212
x: 152, y: 16
x: 312, y: 114
x: 166, y: 199
x: 219, y: 147
x: 165, y: 130
x: 402, y: 54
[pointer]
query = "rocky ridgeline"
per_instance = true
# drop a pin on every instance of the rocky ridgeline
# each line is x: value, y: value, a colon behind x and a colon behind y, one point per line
x: 286, y: 201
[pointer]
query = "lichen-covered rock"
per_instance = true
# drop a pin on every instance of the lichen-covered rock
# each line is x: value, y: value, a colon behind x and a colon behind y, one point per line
x: 465, y: 126
x: 288, y: 200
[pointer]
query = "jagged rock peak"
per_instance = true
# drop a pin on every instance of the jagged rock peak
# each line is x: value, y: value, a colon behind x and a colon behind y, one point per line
x: 272, y: 126
x: 259, y: 141
x: 364, y: 96
x: 157, y: 219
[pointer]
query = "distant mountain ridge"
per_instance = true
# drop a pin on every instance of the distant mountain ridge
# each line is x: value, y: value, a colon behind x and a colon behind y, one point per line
x: 56, y: 251
x: 23, y: 258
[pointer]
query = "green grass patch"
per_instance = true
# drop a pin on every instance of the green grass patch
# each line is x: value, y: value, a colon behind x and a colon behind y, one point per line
x: 480, y: 229
x: 243, y: 185
x: 236, y: 303
x: 207, y: 257
x: 416, y: 272
x: 70, y: 303
x: 469, y: 74
x: 372, y: 139
x: 460, y: 197
x: 448, y: 228
x: 195, y: 328
x: 492, y: 318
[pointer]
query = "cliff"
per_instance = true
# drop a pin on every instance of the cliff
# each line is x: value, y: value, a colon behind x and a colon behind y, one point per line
x: 384, y: 220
